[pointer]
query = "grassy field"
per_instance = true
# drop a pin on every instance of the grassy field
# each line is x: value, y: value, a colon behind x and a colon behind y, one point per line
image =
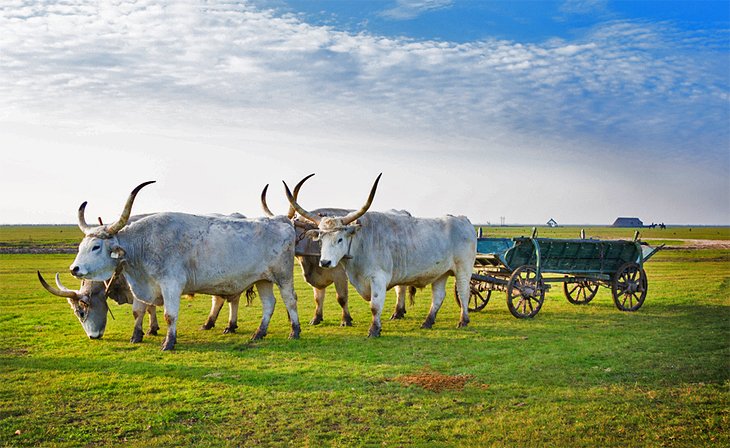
x: 573, y: 376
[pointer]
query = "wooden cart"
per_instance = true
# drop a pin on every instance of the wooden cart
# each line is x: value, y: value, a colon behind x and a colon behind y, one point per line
x: 525, y: 267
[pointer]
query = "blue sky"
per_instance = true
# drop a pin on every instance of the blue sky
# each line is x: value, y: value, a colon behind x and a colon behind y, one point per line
x: 579, y: 110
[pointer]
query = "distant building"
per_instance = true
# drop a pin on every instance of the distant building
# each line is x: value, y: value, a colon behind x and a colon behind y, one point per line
x: 552, y: 223
x: 628, y: 222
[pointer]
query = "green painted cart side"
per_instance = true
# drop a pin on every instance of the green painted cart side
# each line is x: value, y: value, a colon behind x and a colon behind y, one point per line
x: 524, y: 267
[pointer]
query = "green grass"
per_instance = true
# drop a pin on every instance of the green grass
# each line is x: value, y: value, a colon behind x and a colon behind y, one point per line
x: 573, y: 376
x: 61, y: 235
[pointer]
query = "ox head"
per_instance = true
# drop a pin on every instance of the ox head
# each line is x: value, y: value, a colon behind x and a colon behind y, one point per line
x: 88, y: 304
x: 99, y: 251
x: 334, y: 232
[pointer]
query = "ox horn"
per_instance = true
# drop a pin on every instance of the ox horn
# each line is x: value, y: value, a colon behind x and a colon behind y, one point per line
x: 290, y: 213
x: 350, y: 217
x: 122, y: 221
x: 82, y: 221
x: 61, y: 291
x: 298, y: 208
x: 263, y: 202
x: 297, y: 187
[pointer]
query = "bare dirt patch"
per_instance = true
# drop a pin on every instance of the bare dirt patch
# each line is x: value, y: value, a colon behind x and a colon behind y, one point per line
x: 688, y: 244
x: 434, y: 381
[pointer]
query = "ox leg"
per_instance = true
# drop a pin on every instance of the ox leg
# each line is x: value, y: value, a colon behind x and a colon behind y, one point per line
x: 233, y: 302
x: 266, y: 294
x: 319, y: 294
x: 215, y: 309
x: 286, y: 290
x: 154, y: 324
x: 377, y: 301
x: 438, y: 292
x: 138, y: 310
x: 462, y: 287
x: 341, y: 286
x: 400, y: 304
x: 171, y: 297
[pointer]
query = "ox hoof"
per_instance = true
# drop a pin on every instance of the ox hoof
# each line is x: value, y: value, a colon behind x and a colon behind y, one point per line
x: 295, y: 330
x: 207, y: 325
x: 374, y: 332
x: 463, y: 324
x: 152, y: 331
x: 231, y: 328
x: 316, y: 320
x: 169, y: 343
x: 398, y: 314
x: 428, y: 323
x: 258, y: 335
x: 346, y: 321
x: 137, y: 336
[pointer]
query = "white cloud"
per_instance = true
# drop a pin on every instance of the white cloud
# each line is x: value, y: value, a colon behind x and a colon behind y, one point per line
x: 410, y: 9
x: 229, y: 81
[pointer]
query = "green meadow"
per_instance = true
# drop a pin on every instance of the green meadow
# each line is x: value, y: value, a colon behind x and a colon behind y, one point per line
x: 572, y: 376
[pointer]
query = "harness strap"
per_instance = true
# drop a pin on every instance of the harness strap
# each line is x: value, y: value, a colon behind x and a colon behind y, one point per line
x: 117, y: 272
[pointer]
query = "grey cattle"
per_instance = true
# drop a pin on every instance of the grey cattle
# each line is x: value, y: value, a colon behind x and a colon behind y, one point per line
x: 89, y: 304
x: 381, y: 250
x: 307, y: 253
x: 165, y: 255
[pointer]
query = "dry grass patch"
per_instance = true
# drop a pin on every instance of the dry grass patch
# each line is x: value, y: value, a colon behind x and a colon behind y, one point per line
x: 434, y: 381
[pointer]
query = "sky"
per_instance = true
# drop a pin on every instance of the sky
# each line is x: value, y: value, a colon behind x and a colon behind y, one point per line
x: 577, y: 110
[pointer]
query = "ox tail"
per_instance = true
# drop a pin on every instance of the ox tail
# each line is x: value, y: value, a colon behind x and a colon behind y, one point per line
x: 412, y: 295
x: 250, y: 295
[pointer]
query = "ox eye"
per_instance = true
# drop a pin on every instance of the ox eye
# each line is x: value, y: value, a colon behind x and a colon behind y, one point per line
x: 97, y: 247
x: 339, y: 241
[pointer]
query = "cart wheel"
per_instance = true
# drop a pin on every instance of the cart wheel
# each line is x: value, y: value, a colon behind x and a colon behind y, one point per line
x: 629, y: 287
x: 478, y: 295
x: 580, y: 293
x: 525, y: 292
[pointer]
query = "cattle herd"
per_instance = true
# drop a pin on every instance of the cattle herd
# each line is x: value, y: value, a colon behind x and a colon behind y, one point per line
x: 152, y: 260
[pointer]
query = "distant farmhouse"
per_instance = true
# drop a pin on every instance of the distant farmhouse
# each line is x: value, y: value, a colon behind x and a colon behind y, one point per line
x: 628, y: 222
x: 552, y: 223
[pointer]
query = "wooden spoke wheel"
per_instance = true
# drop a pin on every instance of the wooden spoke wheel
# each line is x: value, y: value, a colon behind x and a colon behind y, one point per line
x: 629, y: 287
x: 479, y: 295
x: 581, y: 292
x: 525, y: 292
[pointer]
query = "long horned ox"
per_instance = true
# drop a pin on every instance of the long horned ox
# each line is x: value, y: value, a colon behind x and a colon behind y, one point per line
x: 307, y: 253
x: 89, y: 302
x: 90, y: 306
x: 381, y: 250
x: 165, y: 255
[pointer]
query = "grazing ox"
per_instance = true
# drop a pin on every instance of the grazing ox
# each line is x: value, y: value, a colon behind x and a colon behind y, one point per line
x: 381, y: 250
x: 90, y: 306
x: 307, y: 252
x: 168, y: 254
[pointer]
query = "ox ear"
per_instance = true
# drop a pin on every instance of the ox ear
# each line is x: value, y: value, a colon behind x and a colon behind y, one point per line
x: 314, y: 234
x: 117, y: 252
x: 352, y: 229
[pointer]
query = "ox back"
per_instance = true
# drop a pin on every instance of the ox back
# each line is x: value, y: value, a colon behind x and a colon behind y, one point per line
x: 413, y: 251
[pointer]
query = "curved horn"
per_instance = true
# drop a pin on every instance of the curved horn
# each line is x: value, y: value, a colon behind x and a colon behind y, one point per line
x: 82, y: 221
x: 122, y: 221
x: 297, y: 187
x: 63, y: 292
x: 298, y: 208
x: 263, y: 202
x: 356, y: 214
